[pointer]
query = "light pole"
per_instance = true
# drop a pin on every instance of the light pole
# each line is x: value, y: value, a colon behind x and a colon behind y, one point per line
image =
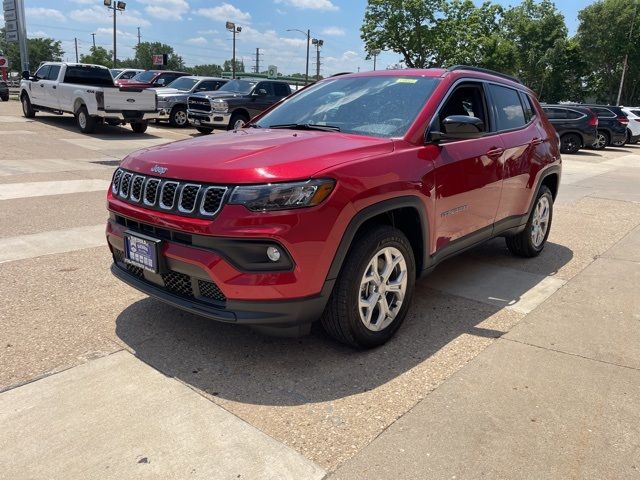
x: 374, y: 54
x: 308, y: 35
x: 318, y: 43
x: 232, y: 28
x: 116, y: 7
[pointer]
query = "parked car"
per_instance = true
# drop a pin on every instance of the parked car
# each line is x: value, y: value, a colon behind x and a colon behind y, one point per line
x: 330, y: 205
x: 234, y: 103
x: 172, y: 100
x: 87, y: 92
x: 633, y: 130
x: 612, y: 125
x: 151, y: 78
x: 577, y: 127
x: 4, y: 91
x: 127, y: 73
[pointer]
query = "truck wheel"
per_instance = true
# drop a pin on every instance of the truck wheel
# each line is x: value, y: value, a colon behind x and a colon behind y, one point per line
x: 237, y: 121
x: 5, y: 98
x: 204, y: 130
x: 601, y: 141
x: 178, y: 117
x: 139, y: 127
x: 86, y: 123
x: 570, y: 143
x: 27, y: 108
x: 630, y: 140
x: 531, y: 241
x: 373, y: 292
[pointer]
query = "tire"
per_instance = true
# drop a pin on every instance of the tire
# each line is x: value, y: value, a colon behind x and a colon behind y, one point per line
x: 27, y: 108
x: 570, y: 143
x: 85, y: 122
x: 531, y: 241
x: 5, y: 99
x: 139, y: 127
x: 345, y: 316
x: 178, y: 117
x: 204, y: 130
x: 236, y: 118
x: 602, y: 140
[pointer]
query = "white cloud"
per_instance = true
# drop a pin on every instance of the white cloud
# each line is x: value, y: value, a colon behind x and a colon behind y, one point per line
x: 84, y: 2
x: 334, y: 31
x: 208, y: 32
x: 108, y: 32
x: 101, y: 15
x: 225, y: 12
x: 198, y: 41
x: 166, y: 9
x: 38, y: 34
x: 49, y: 14
x: 310, y: 4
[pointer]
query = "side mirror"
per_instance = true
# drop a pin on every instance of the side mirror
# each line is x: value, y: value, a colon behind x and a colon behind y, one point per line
x: 458, y: 127
x: 25, y: 75
x: 261, y: 93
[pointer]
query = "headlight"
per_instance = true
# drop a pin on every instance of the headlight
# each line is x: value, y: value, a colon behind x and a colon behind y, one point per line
x: 220, y: 106
x: 282, y: 196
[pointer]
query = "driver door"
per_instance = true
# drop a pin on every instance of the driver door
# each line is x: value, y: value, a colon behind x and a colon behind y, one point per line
x: 468, y: 173
x: 261, y: 100
x: 38, y: 88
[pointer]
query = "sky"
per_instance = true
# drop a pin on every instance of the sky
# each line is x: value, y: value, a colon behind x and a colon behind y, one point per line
x: 196, y: 29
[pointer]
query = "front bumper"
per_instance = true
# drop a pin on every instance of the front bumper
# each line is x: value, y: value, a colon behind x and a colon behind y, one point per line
x: 198, y: 118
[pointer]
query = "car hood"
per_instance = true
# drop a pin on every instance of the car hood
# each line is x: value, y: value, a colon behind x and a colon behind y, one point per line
x: 164, y: 92
x: 255, y: 155
x: 217, y: 94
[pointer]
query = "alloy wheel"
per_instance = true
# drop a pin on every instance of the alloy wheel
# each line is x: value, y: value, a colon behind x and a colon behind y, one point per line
x: 180, y: 118
x: 540, y: 222
x: 82, y: 120
x: 239, y: 124
x: 601, y: 141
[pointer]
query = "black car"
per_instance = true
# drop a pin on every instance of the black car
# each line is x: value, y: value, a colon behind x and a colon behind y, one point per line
x: 612, y: 125
x: 577, y: 127
x: 4, y: 91
x: 234, y: 103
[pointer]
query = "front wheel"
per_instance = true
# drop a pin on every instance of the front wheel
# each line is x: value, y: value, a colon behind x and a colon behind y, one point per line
x: 27, y: 108
x: 570, y: 143
x: 178, y: 117
x: 237, y: 121
x: 86, y: 123
x: 204, y: 130
x: 139, y: 127
x: 601, y: 141
x: 5, y: 98
x: 531, y: 241
x: 374, y: 289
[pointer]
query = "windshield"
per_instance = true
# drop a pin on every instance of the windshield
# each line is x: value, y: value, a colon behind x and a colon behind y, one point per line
x: 145, y: 76
x: 183, y: 83
x: 378, y: 106
x: 115, y: 72
x: 240, y: 86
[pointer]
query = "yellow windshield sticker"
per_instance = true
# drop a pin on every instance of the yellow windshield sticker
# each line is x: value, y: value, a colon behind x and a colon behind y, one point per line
x: 406, y: 80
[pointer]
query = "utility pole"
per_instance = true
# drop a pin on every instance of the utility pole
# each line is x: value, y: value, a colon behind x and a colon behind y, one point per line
x: 94, y: 40
x: 116, y: 6
x: 318, y: 43
x: 308, y: 35
x: 235, y: 29
x: 257, y: 67
x: 138, y: 36
x: 75, y: 39
x: 626, y: 57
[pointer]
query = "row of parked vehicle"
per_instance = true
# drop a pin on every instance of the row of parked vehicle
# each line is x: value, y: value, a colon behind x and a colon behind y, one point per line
x: 593, y: 126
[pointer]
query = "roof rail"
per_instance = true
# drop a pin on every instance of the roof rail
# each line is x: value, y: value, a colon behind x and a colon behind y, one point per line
x: 484, y: 70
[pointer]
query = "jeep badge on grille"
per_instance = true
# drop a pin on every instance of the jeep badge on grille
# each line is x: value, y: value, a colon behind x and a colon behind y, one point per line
x: 158, y: 169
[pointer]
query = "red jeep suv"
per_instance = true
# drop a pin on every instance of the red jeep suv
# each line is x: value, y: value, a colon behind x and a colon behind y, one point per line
x: 329, y: 205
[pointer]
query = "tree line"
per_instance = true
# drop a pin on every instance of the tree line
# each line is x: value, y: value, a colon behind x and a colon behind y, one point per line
x: 529, y: 40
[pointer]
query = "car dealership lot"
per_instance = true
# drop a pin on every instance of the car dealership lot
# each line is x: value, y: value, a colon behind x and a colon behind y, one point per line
x: 538, y: 354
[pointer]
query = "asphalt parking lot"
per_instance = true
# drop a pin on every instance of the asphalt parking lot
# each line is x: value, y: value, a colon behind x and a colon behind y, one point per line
x: 504, y: 365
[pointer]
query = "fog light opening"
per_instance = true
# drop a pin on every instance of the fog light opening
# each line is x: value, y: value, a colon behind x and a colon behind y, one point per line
x: 273, y: 253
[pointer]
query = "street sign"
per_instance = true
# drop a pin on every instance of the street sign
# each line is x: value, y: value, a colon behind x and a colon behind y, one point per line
x: 273, y: 71
x: 9, y: 4
x: 4, y: 63
x: 10, y: 15
x: 11, y: 26
x: 12, y: 37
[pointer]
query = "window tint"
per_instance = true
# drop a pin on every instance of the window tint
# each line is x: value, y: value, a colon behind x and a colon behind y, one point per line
x: 529, y: 112
x: 88, y: 75
x: 555, y: 113
x: 280, y: 89
x: 636, y: 112
x: 42, y: 71
x: 508, y: 107
x: 573, y: 114
x: 128, y: 75
x: 467, y: 100
x: 266, y: 86
x: 53, y: 72
x: 603, y: 112
x: 208, y: 85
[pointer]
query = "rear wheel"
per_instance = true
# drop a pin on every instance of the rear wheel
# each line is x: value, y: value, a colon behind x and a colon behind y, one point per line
x: 178, y: 117
x: 27, y: 108
x: 204, y: 130
x: 5, y: 98
x: 601, y: 141
x: 570, y: 143
x: 139, y: 127
x: 531, y: 241
x: 86, y: 123
x: 373, y: 292
x: 237, y: 121
x: 630, y: 139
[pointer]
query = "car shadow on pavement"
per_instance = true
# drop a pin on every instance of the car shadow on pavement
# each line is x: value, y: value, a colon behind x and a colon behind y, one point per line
x: 241, y: 365
x: 104, y: 131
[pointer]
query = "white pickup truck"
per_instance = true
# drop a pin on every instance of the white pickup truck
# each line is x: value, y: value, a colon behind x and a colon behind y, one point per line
x: 87, y: 92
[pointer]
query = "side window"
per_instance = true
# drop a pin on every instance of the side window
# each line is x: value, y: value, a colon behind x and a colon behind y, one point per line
x: 509, y: 111
x: 280, y: 90
x: 555, y: 113
x: 266, y: 86
x: 42, y: 71
x: 603, y: 112
x: 208, y: 86
x: 573, y: 115
x: 53, y: 72
x: 529, y: 111
x: 467, y: 99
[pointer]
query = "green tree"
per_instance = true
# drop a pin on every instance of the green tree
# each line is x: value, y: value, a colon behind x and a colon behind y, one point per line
x: 98, y: 56
x: 41, y: 49
x: 227, y: 66
x: 209, y: 70
x: 146, y: 50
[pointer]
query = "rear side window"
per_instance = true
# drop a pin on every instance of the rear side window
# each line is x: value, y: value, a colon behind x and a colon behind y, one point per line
x: 636, y: 112
x: 603, y: 112
x: 88, y: 75
x: 53, y: 72
x: 573, y: 115
x: 280, y: 90
x: 555, y: 113
x: 529, y: 112
x: 509, y: 111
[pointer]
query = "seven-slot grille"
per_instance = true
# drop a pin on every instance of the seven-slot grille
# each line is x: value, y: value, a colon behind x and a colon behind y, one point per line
x: 199, y: 103
x: 182, y: 198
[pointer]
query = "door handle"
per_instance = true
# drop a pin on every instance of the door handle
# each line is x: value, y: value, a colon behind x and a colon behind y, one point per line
x: 536, y: 141
x: 495, y: 152
x: 54, y: 87
x: 41, y: 86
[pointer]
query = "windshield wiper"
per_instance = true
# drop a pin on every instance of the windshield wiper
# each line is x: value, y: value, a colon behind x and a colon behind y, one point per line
x: 307, y: 126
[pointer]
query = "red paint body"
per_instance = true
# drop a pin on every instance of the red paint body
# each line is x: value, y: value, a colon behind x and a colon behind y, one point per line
x: 494, y: 177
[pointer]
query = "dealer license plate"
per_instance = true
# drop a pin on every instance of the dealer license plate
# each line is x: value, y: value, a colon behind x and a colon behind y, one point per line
x: 141, y: 251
